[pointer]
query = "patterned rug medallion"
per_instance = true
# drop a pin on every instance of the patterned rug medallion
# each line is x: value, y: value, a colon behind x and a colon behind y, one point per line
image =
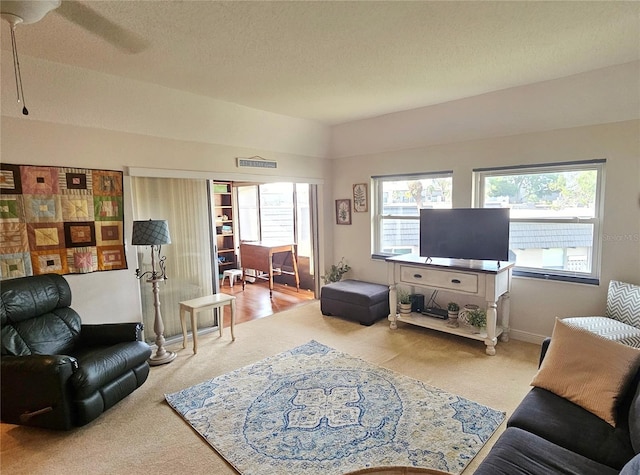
x: 315, y: 410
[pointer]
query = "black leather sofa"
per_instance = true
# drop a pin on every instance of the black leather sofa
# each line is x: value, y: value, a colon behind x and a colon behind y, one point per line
x: 548, y: 434
x: 56, y: 372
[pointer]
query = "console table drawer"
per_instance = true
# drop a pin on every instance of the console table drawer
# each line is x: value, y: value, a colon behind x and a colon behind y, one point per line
x: 459, y: 281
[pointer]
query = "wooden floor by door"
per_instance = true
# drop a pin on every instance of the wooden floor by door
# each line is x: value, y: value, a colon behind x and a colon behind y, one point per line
x: 254, y: 301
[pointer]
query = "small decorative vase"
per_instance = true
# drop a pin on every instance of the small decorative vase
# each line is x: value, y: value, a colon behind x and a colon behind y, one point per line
x: 404, y: 308
x: 452, y: 321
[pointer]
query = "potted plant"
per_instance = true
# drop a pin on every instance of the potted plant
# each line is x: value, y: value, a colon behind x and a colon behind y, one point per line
x: 404, y: 301
x: 452, y: 312
x: 477, y: 318
x: 336, y: 272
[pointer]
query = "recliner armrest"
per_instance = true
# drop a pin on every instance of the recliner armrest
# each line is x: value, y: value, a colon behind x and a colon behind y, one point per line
x: 21, y: 366
x: 109, y: 334
x: 35, y: 391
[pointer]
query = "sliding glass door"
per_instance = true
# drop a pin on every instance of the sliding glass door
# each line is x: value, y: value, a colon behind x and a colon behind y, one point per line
x: 184, y: 204
x: 278, y: 212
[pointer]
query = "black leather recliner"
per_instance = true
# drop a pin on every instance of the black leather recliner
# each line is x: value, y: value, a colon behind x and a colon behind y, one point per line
x: 56, y: 372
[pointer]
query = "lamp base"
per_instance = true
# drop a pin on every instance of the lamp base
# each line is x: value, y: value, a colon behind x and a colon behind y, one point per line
x: 167, y: 357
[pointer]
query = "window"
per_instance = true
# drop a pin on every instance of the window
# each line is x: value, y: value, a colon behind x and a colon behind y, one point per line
x: 396, y: 209
x: 276, y: 212
x: 248, y: 209
x: 555, y: 216
x: 303, y: 219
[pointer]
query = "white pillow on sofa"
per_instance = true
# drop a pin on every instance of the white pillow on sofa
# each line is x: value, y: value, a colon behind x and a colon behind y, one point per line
x: 587, y: 369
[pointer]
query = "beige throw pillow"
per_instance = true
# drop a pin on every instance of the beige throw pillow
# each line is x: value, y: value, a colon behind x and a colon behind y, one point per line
x: 587, y: 369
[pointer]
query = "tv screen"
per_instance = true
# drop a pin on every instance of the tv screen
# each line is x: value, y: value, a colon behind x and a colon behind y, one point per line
x: 465, y: 233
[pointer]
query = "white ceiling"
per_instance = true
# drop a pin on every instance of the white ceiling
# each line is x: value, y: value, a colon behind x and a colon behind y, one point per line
x: 334, y: 61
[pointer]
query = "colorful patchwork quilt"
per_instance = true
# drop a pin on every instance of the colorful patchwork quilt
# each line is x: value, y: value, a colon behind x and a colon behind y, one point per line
x: 60, y: 220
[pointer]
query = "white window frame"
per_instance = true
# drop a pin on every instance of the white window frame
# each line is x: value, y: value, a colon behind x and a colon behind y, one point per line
x: 598, y: 165
x: 378, y: 204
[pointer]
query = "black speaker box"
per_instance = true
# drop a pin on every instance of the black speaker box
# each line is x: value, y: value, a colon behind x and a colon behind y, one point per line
x: 417, y: 302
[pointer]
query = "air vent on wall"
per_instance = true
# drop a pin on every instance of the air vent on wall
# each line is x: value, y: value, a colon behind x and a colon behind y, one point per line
x: 256, y: 162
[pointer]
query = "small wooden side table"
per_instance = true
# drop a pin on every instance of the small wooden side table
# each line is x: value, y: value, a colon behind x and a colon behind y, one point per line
x: 215, y: 301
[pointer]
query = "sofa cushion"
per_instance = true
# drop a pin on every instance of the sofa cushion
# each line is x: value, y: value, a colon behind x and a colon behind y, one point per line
x: 518, y: 452
x: 53, y: 333
x: 566, y: 424
x: 35, y: 316
x: 623, y: 301
x: 587, y: 369
x: 99, y: 366
x: 608, y: 328
x: 26, y: 297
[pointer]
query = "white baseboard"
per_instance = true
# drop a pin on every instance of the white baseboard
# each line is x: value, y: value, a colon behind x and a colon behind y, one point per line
x: 526, y: 336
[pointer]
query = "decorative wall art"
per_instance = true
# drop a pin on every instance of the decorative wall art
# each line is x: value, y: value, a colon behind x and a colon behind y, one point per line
x: 360, y: 198
x: 343, y: 211
x: 60, y: 220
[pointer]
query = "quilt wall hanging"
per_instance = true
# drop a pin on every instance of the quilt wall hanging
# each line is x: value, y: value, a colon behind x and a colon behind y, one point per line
x: 60, y: 220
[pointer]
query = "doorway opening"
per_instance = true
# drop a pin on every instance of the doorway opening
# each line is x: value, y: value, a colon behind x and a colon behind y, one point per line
x: 191, y: 257
x: 275, y: 213
x: 280, y: 213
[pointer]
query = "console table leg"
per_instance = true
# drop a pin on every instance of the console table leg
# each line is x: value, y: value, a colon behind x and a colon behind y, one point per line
x: 492, y: 319
x: 392, y: 307
x: 505, y: 307
x: 393, y: 325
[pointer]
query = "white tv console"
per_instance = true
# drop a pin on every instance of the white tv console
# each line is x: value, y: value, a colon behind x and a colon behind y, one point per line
x: 489, y: 280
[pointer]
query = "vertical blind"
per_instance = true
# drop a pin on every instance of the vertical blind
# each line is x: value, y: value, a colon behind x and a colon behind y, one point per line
x: 184, y: 204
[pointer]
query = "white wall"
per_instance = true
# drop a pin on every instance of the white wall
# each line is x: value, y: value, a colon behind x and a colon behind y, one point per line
x: 596, y: 97
x: 80, y: 118
x: 534, y: 303
x: 69, y: 95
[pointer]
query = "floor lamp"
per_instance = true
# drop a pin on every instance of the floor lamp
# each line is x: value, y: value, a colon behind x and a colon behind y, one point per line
x: 154, y: 233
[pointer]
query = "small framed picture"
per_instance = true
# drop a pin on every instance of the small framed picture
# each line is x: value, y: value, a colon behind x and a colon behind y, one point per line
x: 343, y: 211
x: 360, y: 197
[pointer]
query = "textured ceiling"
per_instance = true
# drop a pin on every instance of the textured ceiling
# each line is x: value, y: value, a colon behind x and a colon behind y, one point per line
x: 338, y: 61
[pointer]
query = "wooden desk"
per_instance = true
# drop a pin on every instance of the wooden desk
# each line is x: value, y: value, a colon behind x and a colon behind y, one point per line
x: 484, y: 279
x: 258, y: 255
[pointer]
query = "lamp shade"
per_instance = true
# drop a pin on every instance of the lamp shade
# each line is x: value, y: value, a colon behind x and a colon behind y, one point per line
x: 153, y: 232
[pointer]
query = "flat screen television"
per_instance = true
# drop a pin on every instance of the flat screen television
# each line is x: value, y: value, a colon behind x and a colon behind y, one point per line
x: 465, y: 233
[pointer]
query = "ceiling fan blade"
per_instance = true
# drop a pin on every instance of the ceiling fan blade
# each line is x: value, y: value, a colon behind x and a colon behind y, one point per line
x: 102, y: 27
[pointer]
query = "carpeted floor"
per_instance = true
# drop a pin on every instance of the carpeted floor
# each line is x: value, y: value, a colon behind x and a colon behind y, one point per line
x: 142, y: 433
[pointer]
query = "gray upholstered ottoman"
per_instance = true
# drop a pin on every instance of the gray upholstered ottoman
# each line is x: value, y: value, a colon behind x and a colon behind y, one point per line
x: 363, y: 302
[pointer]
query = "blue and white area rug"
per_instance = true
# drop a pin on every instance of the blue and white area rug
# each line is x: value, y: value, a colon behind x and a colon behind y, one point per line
x: 315, y: 410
